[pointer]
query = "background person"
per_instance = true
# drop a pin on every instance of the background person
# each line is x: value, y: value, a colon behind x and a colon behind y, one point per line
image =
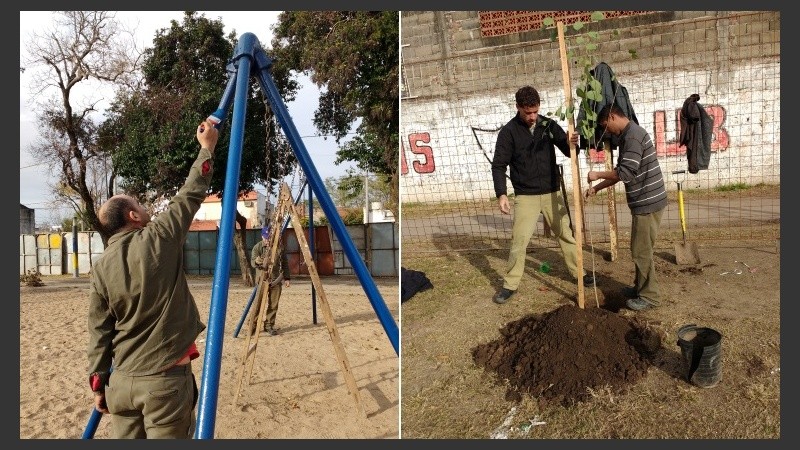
x: 638, y: 168
x: 527, y: 145
x: 279, y: 276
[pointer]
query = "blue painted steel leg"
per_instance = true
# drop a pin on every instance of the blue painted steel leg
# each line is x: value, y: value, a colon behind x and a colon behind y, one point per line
x: 91, y: 427
x: 209, y: 387
x: 279, y: 108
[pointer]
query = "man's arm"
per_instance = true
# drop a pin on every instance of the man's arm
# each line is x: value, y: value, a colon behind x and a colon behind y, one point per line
x: 101, y: 333
x: 255, y: 254
x: 503, y: 149
x: 287, y: 274
x: 609, y: 178
x: 184, y: 205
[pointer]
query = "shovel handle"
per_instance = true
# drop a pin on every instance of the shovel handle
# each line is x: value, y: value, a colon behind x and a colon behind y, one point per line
x: 680, y: 209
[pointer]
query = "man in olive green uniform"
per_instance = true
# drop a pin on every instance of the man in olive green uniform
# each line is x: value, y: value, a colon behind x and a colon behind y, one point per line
x: 278, y: 277
x: 142, y: 314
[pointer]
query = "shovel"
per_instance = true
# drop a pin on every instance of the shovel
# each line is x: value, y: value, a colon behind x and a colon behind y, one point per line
x: 686, y: 252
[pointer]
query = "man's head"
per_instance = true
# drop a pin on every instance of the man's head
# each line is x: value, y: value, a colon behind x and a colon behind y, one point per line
x: 612, y: 119
x: 528, y: 104
x: 121, y: 212
x: 265, y: 232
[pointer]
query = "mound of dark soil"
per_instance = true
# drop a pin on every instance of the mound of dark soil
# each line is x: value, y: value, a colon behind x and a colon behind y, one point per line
x: 555, y: 357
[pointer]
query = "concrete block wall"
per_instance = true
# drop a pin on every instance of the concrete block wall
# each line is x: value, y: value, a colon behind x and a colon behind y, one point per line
x: 458, y: 80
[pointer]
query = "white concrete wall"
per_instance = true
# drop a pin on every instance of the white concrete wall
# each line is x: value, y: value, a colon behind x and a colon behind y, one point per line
x: 441, y: 160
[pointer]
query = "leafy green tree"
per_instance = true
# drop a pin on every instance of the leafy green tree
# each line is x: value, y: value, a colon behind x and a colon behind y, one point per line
x: 348, y: 190
x: 353, y: 56
x: 151, y: 129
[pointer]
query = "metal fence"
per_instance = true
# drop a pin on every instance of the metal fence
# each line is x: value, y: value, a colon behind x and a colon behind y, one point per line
x: 377, y: 243
x: 458, y: 89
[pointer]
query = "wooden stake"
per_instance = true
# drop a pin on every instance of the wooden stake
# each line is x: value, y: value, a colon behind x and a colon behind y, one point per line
x: 576, y: 175
x: 612, y: 202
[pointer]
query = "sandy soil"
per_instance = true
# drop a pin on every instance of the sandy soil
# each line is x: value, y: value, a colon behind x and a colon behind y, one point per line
x: 297, y: 387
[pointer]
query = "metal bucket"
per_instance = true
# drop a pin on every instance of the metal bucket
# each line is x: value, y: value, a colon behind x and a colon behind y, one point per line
x: 701, y: 349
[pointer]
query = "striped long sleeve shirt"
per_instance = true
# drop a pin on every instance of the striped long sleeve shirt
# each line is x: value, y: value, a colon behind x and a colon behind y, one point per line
x: 638, y: 168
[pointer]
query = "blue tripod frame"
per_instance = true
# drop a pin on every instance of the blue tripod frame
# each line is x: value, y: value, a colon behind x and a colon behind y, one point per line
x: 249, y: 59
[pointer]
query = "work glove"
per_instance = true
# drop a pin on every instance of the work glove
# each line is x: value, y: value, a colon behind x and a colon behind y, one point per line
x: 259, y: 261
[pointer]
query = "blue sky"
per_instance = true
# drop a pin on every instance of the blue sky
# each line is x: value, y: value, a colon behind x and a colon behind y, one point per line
x: 34, y: 179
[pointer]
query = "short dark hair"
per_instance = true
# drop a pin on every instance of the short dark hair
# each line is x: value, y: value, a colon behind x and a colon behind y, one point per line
x: 115, y: 215
x: 602, y: 116
x: 527, y: 96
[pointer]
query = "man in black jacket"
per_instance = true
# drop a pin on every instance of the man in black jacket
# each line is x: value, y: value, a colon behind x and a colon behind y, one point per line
x: 527, y: 144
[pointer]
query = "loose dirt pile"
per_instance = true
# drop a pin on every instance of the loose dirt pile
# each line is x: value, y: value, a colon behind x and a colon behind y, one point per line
x: 560, y: 356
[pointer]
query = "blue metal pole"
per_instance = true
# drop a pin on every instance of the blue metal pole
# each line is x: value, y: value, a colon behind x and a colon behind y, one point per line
x: 75, y: 246
x: 207, y: 403
x: 246, y: 309
x: 314, y: 180
x: 91, y: 427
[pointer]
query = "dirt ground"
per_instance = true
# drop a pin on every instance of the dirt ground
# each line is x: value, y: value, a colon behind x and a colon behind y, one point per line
x: 297, y: 388
x: 539, y: 366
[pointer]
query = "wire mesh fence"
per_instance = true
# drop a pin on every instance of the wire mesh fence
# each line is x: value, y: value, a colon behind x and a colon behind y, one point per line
x: 460, y: 70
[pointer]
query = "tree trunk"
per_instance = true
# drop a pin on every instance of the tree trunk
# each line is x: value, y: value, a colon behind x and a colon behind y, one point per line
x: 244, y: 253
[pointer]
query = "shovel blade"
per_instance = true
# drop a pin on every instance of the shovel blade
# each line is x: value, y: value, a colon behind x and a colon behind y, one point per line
x: 686, y: 253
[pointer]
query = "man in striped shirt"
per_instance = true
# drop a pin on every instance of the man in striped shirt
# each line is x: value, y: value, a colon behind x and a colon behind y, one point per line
x: 638, y: 168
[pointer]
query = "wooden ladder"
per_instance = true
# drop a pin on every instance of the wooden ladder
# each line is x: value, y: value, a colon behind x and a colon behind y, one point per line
x: 285, y: 203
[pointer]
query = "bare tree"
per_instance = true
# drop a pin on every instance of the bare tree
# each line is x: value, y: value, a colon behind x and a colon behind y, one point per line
x: 80, y: 47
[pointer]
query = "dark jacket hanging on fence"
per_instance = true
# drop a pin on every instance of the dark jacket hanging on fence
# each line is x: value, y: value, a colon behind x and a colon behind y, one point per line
x: 696, y: 127
x: 612, y: 91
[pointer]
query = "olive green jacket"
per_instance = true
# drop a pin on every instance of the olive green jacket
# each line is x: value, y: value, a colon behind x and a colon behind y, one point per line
x: 280, y: 271
x: 141, y: 312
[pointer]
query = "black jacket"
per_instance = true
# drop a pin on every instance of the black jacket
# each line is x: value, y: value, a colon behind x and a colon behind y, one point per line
x: 612, y: 91
x: 696, y: 127
x: 532, y: 157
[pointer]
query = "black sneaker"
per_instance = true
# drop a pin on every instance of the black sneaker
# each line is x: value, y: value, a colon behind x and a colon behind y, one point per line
x: 503, y: 296
x: 629, y: 292
x: 588, y: 280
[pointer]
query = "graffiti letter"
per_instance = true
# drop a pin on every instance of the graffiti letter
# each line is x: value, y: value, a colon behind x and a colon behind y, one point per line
x: 720, y: 139
x: 429, y: 166
x: 403, y: 163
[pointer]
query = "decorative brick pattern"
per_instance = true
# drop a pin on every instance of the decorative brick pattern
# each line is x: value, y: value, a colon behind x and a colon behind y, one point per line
x: 499, y: 23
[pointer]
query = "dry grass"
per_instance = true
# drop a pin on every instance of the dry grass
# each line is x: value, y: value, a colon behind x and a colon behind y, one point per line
x: 444, y: 395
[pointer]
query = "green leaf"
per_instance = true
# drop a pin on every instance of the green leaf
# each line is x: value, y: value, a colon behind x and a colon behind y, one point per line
x: 577, y: 25
x: 580, y: 40
x: 595, y: 85
x: 553, y: 36
x: 633, y: 53
x: 580, y: 92
x: 548, y: 22
x: 598, y: 15
x: 593, y: 34
x: 591, y: 46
